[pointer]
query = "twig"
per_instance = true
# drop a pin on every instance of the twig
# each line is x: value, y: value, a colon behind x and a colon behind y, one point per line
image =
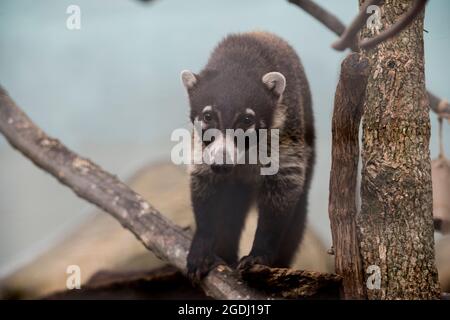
x: 90, y: 182
x: 349, y: 38
x: 348, y: 108
x: 396, y: 28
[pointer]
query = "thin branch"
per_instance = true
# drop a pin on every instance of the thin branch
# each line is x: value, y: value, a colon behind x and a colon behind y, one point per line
x: 396, y: 28
x: 90, y: 182
x: 349, y: 38
x: 327, y: 18
x: 438, y: 105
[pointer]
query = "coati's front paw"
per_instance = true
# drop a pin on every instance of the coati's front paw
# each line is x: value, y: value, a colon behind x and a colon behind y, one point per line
x: 200, y: 264
x: 249, y: 261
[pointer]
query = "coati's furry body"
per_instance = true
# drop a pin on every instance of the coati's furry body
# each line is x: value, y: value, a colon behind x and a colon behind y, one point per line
x: 233, y: 81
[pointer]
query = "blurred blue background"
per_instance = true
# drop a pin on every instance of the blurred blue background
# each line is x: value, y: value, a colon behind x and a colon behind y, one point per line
x: 111, y: 91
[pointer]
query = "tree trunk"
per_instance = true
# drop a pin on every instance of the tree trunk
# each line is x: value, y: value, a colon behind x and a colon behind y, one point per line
x: 395, y: 223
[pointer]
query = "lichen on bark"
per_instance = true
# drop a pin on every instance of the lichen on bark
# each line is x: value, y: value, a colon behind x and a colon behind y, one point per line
x: 395, y: 222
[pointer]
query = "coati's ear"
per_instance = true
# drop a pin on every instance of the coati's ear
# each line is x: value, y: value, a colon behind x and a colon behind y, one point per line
x: 275, y: 81
x: 189, y: 79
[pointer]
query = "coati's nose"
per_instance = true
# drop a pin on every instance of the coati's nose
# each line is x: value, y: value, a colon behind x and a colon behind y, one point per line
x: 221, y: 168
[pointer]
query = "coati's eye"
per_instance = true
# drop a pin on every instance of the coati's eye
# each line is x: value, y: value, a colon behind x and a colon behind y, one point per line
x: 207, y: 116
x: 248, y: 119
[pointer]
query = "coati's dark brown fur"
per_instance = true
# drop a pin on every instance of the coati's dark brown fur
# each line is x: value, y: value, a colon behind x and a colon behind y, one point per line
x: 233, y: 81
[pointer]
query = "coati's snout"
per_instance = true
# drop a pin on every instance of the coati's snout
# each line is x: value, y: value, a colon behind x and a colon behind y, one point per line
x: 220, y: 151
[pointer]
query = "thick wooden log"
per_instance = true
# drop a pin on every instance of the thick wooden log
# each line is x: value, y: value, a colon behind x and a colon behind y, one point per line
x: 293, y: 284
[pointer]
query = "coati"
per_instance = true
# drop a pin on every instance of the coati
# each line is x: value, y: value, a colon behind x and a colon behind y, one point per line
x: 252, y: 81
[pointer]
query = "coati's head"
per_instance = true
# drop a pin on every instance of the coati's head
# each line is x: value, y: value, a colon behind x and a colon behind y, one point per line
x: 232, y: 99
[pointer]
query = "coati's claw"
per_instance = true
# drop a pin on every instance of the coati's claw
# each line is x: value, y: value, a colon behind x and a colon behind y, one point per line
x: 249, y: 261
x: 198, y: 266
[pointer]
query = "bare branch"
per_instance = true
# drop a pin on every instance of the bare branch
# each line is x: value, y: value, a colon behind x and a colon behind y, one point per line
x: 90, y: 182
x: 441, y: 107
x: 348, y: 109
x: 396, y: 28
x: 349, y: 38
x: 327, y: 18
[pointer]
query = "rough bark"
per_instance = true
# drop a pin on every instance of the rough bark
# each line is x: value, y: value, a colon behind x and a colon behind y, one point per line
x: 90, y: 182
x: 348, y: 107
x: 395, y: 223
